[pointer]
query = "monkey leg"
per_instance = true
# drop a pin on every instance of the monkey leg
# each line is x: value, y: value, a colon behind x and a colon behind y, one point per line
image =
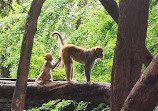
x: 71, y: 73
x: 39, y: 79
x: 67, y: 62
x: 87, y: 73
x: 67, y: 69
x: 88, y: 68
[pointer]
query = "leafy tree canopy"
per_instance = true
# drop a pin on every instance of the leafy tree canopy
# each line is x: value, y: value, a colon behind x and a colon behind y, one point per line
x: 86, y: 24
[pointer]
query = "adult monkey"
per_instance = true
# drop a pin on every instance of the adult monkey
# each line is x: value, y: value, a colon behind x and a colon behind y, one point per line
x: 70, y: 52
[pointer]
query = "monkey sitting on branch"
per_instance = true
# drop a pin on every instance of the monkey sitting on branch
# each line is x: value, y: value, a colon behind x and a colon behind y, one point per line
x: 46, y: 74
x: 70, y: 52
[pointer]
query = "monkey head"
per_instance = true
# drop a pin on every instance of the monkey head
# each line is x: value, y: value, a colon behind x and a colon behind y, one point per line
x: 48, y: 57
x: 99, y: 52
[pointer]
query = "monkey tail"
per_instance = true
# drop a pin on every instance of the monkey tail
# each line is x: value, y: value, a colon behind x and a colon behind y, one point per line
x: 61, y: 39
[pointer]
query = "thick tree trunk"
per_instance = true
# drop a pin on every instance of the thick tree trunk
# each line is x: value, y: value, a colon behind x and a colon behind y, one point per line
x: 130, y: 49
x: 98, y: 93
x: 143, y: 96
x: 113, y: 10
x: 26, y: 49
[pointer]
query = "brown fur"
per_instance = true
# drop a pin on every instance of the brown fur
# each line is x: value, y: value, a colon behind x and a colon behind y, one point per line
x: 70, y: 52
x: 46, y: 74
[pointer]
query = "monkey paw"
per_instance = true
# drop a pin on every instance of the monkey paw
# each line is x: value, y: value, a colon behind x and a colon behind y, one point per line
x: 90, y: 83
x: 40, y: 82
x: 50, y: 80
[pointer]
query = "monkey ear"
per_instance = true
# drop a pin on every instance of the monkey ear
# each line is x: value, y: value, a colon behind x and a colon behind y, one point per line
x: 45, y: 58
x: 97, y: 49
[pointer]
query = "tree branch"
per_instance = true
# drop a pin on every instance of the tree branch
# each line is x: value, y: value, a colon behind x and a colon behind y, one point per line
x: 143, y: 96
x: 97, y: 93
x: 112, y: 8
x: 148, y: 57
x: 154, y: 45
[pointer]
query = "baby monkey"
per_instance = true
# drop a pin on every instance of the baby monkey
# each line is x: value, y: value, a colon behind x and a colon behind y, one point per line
x: 70, y: 52
x: 46, y: 74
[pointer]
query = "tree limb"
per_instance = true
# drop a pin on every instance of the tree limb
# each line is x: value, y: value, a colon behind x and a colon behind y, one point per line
x: 97, y: 93
x: 154, y: 45
x: 112, y: 8
x: 143, y: 96
x: 148, y: 57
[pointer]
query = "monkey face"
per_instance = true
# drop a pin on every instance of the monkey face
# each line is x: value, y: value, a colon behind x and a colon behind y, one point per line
x: 99, y: 51
x: 48, y: 57
x: 101, y: 55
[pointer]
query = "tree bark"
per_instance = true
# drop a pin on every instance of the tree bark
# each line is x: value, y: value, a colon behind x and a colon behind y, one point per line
x: 98, y: 93
x: 26, y: 49
x: 143, y: 96
x: 130, y: 49
x: 113, y: 10
x: 147, y: 58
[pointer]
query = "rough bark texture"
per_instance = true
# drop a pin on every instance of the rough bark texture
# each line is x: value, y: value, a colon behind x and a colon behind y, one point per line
x: 143, y: 96
x: 97, y: 93
x: 130, y: 49
x: 112, y: 8
x: 147, y: 58
x: 26, y: 49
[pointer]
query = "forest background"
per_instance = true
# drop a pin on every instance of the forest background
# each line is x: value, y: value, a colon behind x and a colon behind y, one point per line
x: 82, y: 22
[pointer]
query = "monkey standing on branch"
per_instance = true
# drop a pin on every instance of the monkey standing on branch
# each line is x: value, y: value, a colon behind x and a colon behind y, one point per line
x: 70, y: 52
x: 46, y: 75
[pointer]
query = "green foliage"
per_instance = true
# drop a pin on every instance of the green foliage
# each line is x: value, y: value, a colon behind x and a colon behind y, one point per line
x: 8, y: 7
x: 69, y: 105
x: 153, y: 3
x: 96, y: 26
x: 59, y: 73
x: 5, y: 7
x: 85, y: 25
x: 152, y: 34
x: 102, y: 107
x: 11, y: 30
x: 55, y: 105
